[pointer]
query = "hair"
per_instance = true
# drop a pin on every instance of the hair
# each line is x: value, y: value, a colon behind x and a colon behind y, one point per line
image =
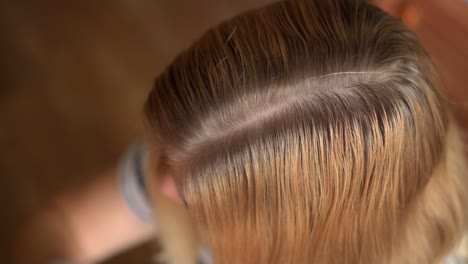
x: 313, y: 132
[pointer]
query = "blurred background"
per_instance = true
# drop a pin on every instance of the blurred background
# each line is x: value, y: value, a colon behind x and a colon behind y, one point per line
x: 74, y: 76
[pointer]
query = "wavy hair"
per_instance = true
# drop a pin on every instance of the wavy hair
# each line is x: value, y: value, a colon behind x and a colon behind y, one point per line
x: 313, y: 132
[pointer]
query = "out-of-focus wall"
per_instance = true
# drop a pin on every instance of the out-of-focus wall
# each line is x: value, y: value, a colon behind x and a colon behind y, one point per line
x: 73, y: 77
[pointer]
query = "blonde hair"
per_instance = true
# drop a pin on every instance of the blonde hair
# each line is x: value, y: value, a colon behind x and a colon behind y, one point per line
x: 313, y: 132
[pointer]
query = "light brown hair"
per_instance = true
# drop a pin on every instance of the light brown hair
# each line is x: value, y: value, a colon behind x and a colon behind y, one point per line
x: 313, y: 132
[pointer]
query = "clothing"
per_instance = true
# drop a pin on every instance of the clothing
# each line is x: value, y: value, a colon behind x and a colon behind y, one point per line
x: 455, y: 260
x: 132, y: 183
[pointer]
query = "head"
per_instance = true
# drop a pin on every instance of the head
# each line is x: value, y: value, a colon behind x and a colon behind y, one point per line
x: 312, y: 132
